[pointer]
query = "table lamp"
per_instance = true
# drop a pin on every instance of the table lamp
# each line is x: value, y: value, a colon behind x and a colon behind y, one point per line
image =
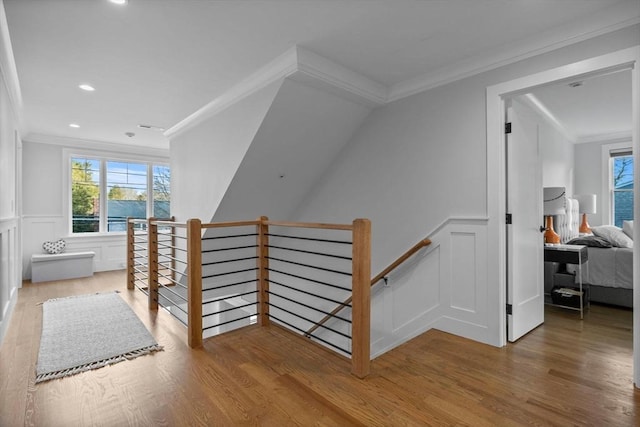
x: 587, y: 205
x: 554, y: 204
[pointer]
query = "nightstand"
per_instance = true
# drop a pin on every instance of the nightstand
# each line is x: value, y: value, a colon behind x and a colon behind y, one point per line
x: 569, y: 254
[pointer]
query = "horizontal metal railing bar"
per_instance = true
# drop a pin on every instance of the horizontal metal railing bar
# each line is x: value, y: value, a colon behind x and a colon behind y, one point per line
x: 311, y: 252
x: 140, y: 246
x: 140, y: 240
x: 229, y: 297
x: 228, y: 273
x: 183, y: 273
x: 299, y: 316
x: 229, y: 285
x: 230, y: 321
x: 344, y: 227
x: 228, y: 249
x: 172, y: 302
x: 140, y: 264
x: 309, y: 306
x: 141, y: 289
x: 309, y: 335
x: 172, y: 280
x: 229, y: 260
x: 228, y: 309
x: 137, y: 221
x: 168, y: 258
x: 230, y: 236
x: 309, y: 266
x: 306, y: 292
x: 161, y: 286
x: 177, y: 236
x: 231, y: 224
x: 169, y: 246
x: 170, y: 223
x: 143, y: 273
x: 141, y: 256
x: 309, y: 280
x: 313, y: 239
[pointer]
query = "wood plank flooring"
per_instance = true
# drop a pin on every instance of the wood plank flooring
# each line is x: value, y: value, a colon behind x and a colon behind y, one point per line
x: 567, y: 372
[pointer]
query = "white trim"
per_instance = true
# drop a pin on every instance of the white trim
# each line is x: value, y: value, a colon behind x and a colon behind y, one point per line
x: 623, y: 59
x: 98, y: 146
x: 602, y: 137
x: 9, y: 71
x: 606, y: 176
x: 296, y: 62
x: 532, y: 101
x: 606, y: 21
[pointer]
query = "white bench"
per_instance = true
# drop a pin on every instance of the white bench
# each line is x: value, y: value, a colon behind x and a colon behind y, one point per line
x: 67, y: 265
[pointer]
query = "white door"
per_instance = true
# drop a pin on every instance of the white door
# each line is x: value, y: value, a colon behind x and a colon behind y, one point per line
x: 525, y: 246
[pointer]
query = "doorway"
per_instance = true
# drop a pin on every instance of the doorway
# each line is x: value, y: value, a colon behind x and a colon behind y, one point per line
x: 496, y: 163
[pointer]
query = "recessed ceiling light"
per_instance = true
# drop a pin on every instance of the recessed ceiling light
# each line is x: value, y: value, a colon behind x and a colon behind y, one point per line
x: 74, y: 125
x: 87, y: 87
x: 119, y: 1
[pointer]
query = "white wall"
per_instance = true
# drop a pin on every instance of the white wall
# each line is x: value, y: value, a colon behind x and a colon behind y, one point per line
x: 204, y: 159
x: 46, y: 195
x: 10, y: 155
x: 418, y: 162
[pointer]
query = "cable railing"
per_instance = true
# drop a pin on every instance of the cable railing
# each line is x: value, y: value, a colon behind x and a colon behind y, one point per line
x: 222, y: 276
x: 382, y: 275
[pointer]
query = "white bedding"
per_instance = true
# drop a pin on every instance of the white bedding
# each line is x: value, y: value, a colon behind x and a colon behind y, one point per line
x: 611, y: 267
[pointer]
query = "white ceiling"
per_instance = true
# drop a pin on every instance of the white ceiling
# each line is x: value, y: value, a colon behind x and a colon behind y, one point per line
x: 155, y: 62
x: 598, y: 109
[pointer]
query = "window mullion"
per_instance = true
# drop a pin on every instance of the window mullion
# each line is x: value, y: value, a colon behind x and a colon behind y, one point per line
x: 150, y: 212
x: 103, y: 196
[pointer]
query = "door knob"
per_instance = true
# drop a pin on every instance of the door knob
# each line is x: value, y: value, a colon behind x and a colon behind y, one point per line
x: 543, y: 229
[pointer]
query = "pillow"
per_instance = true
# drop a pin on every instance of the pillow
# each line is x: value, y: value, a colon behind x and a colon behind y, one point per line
x: 627, y: 228
x: 54, y: 247
x: 613, y: 235
x: 590, y: 241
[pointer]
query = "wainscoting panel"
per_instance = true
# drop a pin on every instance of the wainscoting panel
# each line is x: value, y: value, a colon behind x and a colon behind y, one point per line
x: 10, y: 280
x: 110, y: 249
x: 444, y: 286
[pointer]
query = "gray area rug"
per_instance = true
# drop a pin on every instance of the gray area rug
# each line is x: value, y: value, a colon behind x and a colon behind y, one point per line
x: 86, y: 332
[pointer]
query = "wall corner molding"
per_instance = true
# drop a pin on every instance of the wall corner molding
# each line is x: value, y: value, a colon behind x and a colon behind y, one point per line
x: 9, y: 71
x: 301, y: 65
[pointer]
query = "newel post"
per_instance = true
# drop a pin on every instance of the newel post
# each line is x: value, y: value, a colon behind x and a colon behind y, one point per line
x: 194, y: 279
x: 361, y: 303
x: 130, y: 254
x: 263, y: 272
x: 152, y: 259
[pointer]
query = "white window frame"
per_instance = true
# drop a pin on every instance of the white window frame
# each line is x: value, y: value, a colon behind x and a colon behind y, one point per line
x: 607, y: 175
x: 105, y: 156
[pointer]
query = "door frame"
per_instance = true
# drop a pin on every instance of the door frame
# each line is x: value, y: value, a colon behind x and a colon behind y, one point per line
x: 496, y: 175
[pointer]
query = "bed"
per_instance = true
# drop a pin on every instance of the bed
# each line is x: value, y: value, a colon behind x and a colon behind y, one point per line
x: 609, y: 270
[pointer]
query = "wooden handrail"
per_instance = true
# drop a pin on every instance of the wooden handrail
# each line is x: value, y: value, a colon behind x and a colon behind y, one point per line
x: 347, y: 227
x: 421, y: 244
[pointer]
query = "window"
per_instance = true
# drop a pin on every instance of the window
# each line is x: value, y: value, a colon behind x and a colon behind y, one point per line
x: 105, y: 192
x: 621, y: 187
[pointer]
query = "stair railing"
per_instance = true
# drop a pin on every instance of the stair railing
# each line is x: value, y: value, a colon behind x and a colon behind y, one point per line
x: 382, y: 275
x: 290, y: 268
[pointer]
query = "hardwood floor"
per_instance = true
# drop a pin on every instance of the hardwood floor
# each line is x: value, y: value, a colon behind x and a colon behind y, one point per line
x: 566, y: 372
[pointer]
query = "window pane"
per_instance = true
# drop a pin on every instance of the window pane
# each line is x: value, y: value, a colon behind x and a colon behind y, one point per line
x: 126, y: 193
x: 85, y: 195
x: 622, y: 189
x: 161, y: 191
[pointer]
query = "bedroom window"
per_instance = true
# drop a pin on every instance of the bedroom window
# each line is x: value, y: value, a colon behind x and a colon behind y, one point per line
x: 104, y: 192
x: 621, y: 187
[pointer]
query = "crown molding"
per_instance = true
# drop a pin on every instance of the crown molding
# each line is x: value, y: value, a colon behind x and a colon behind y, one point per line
x: 87, y: 144
x: 610, y: 137
x: 538, y: 106
x: 300, y: 64
x: 9, y: 71
x: 612, y: 19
